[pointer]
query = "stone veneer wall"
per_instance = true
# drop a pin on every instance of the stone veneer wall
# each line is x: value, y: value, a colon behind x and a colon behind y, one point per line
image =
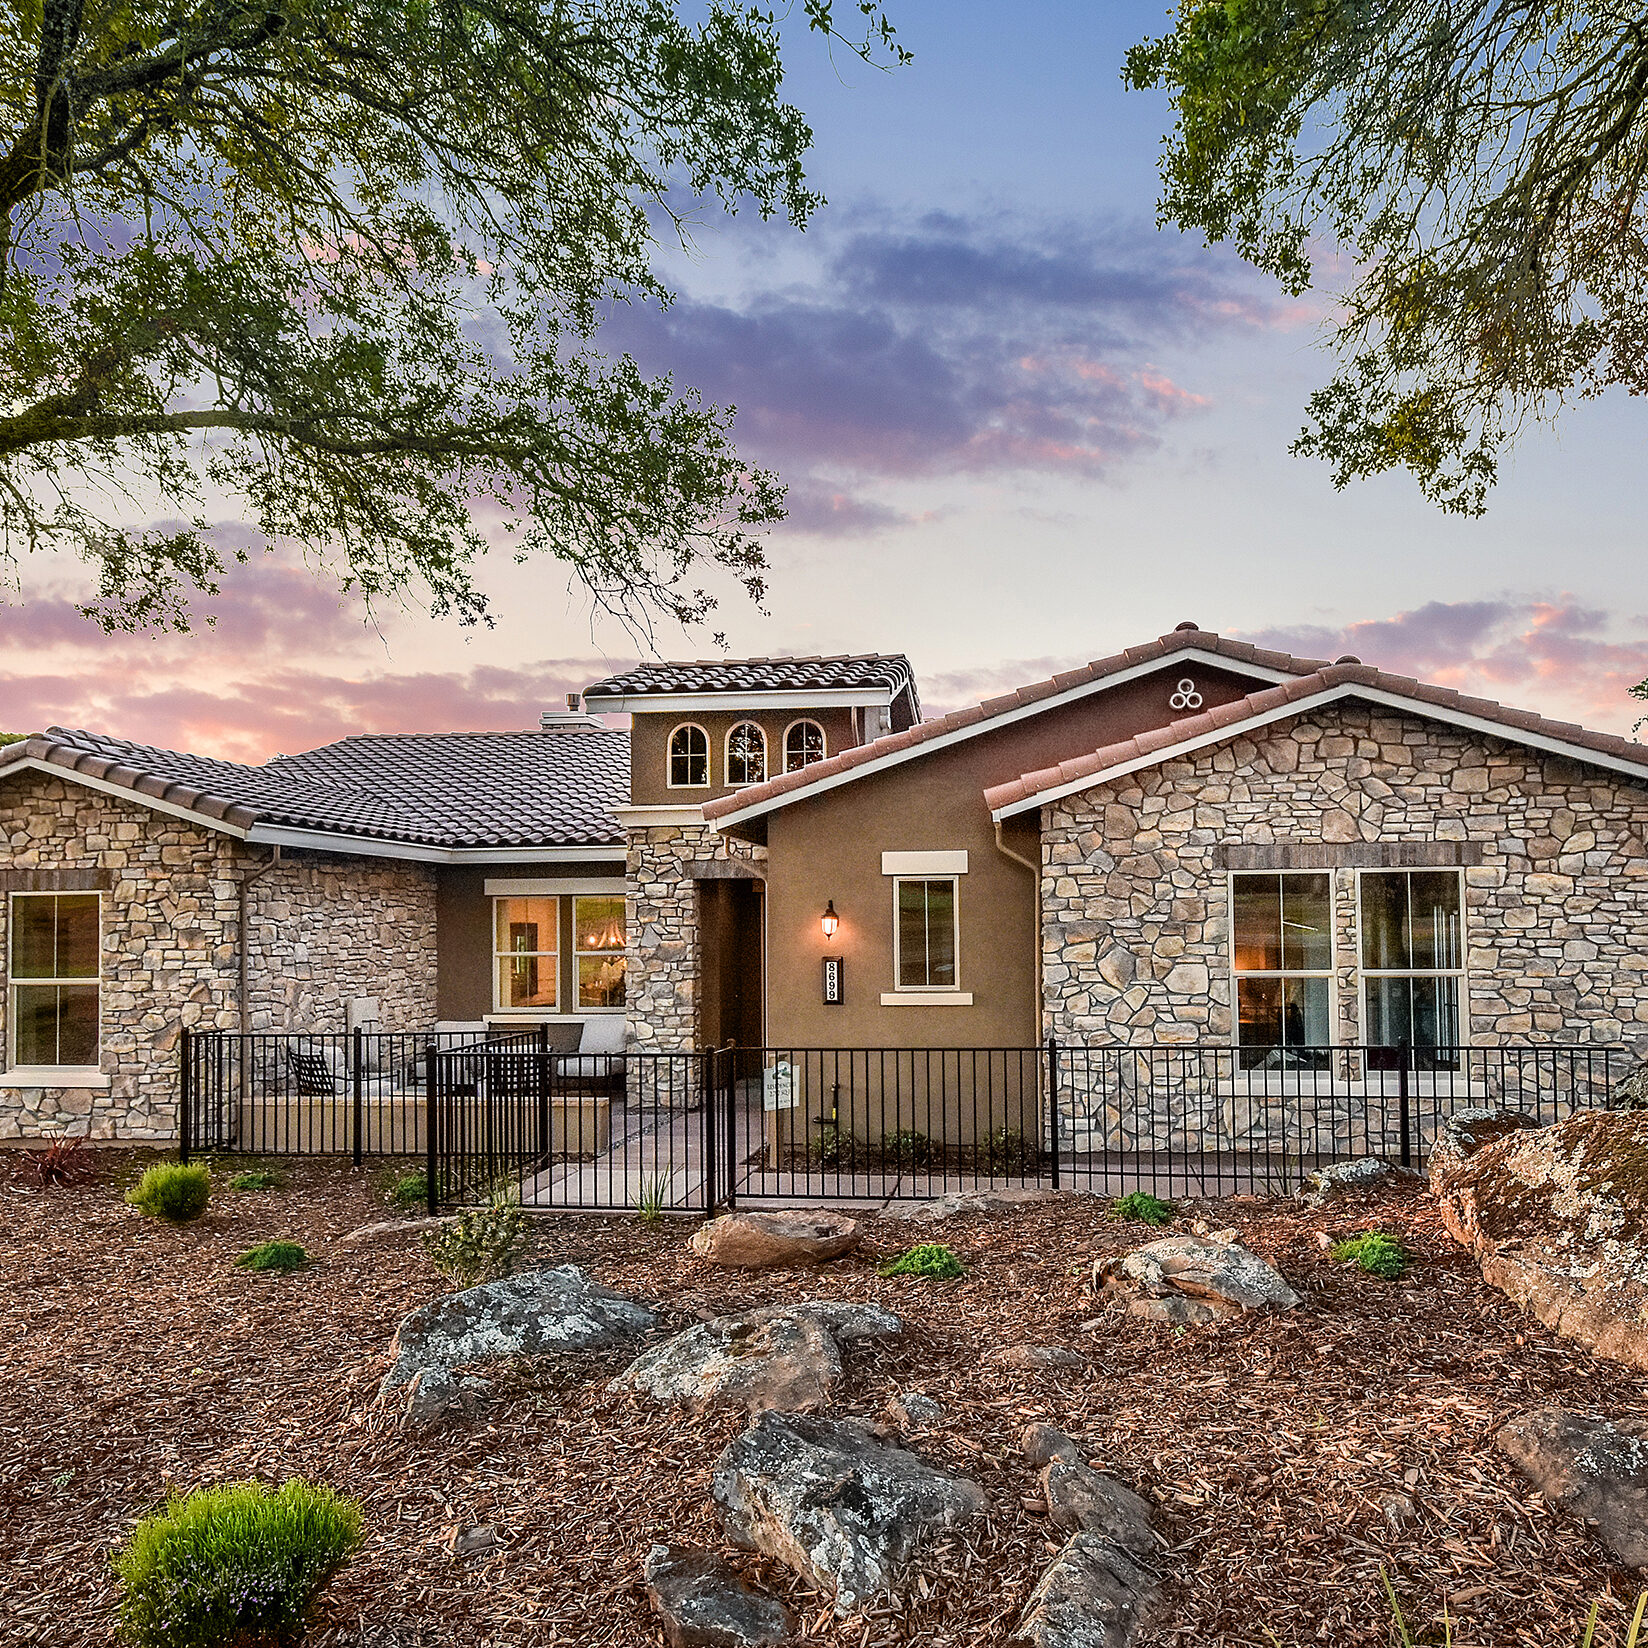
x: 1135, y: 937
x: 663, y: 972
x: 324, y: 929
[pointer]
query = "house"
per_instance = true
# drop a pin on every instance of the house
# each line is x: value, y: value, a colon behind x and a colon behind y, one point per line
x: 1192, y: 842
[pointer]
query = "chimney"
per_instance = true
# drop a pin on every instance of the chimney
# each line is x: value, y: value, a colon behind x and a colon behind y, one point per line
x: 571, y: 719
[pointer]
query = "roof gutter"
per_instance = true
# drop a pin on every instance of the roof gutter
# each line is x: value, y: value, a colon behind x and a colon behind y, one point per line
x: 362, y: 846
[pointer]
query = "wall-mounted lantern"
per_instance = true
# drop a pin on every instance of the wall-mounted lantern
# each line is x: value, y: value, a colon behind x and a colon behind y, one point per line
x: 831, y: 920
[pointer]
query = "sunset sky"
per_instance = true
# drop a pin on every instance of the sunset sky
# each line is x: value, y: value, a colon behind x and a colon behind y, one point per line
x: 1021, y: 427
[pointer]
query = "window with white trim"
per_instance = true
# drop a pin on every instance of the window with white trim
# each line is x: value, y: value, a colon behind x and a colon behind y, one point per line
x: 746, y: 754
x: 56, y: 945
x: 1282, y: 960
x: 803, y: 745
x: 526, y: 949
x: 925, y: 936
x: 599, y: 943
x: 689, y: 758
x: 1412, y: 961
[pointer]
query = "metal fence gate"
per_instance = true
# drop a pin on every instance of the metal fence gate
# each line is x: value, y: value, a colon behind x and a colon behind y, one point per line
x: 691, y: 1132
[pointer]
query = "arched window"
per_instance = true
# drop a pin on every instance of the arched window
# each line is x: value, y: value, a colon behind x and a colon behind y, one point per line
x: 689, y: 758
x: 746, y: 754
x: 803, y: 745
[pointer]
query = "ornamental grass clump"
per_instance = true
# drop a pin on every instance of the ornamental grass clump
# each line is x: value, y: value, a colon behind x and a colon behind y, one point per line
x: 1141, y: 1206
x: 277, y: 1256
x: 926, y: 1259
x: 1376, y: 1253
x: 236, y: 1566
x: 174, y: 1191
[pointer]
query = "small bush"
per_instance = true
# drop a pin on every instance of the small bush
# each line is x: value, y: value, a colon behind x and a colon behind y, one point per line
x: 233, y: 1564
x: 906, y: 1148
x: 255, y: 1181
x: 1376, y: 1253
x: 1141, y: 1206
x: 926, y: 1259
x: 1007, y: 1151
x: 281, y: 1256
x: 833, y: 1148
x: 478, y: 1245
x: 64, y: 1161
x: 412, y: 1190
x: 175, y: 1191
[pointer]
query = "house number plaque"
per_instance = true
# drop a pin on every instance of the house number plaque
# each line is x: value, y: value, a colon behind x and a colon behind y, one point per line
x: 833, y: 991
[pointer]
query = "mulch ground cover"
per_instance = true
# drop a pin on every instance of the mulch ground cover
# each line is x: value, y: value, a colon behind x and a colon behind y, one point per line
x: 1291, y: 1459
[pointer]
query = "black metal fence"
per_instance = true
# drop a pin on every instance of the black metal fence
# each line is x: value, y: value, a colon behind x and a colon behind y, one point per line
x: 507, y: 1114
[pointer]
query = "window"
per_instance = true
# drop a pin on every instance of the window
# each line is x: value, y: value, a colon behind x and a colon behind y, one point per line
x: 55, y: 941
x: 1411, y: 961
x: 1282, y: 957
x: 803, y: 745
x: 689, y: 758
x: 746, y: 754
x: 598, y: 940
x: 924, y: 940
x: 526, y: 944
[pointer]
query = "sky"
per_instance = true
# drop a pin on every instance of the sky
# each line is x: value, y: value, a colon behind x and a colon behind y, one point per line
x: 1021, y: 427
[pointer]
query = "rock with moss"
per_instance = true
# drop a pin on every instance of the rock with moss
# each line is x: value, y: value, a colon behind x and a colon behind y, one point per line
x: 1557, y: 1217
x: 1363, y: 1173
x: 1593, y: 1467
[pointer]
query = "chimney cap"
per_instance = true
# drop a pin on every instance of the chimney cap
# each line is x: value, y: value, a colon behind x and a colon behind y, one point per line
x: 1189, y: 623
x: 1347, y: 658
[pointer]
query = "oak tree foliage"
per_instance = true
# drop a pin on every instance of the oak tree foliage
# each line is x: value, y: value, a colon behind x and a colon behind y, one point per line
x: 1476, y: 165
x: 345, y: 260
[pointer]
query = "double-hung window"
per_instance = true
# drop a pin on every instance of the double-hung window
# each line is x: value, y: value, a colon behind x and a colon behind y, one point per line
x: 55, y: 944
x: 526, y: 947
x: 925, y: 943
x: 1282, y: 958
x: 1412, y: 962
x: 599, y: 942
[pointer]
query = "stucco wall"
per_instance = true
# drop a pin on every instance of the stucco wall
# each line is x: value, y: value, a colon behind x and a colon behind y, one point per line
x: 323, y: 929
x: 1136, y: 933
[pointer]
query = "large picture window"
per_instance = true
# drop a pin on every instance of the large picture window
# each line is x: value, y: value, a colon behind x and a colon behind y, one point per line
x: 526, y: 946
x: 1412, y: 961
x: 925, y: 933
x: 689, y: 758
x: 55, y: 944
x: 746, y: 754
x: 598, y: 939
x: 1282, y: 957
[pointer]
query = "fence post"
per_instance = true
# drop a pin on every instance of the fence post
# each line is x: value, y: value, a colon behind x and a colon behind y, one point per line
x: 1405, y: 1116
x: 706, y: 1089
x: 729, y: 1122
x: 185, y: 1092
x: 1053, y: 1101
x: 357, y: 1093
x: 430, y: 1059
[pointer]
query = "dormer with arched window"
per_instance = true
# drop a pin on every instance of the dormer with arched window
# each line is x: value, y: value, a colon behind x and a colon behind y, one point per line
x: 746, y: 754
x: 803, y: 745
x: 689, y: 758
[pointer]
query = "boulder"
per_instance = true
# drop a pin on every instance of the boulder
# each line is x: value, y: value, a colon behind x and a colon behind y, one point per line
x: 1037, y: 1356
x: 1192, y: 1279
x: 1093, y: 1595
x: 784, y: 1357
x: 771, y: 1241
x: 969, y: 1201
x: 1328, y: 1184
x: 704, y: 1602
x: 1557, y: 1217
x: 544, y: 1315
x: 847, y: 1512
x: 1042, y: 1444
x: 1081, y: 1499
x: 1594, y: 1468
x: 1467, y: 1131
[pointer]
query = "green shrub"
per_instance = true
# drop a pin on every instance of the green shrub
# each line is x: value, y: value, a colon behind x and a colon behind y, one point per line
x: 255, y: 1181
x: 906, y: 1148
x: 233, y: 1565
x: 1007, y: 1150
x: 833, y: 1148
x: 281, y: 1256
x: 176, y: 1191
x: 926, y: 1259
x: 1140, y: 1205
x: 412, y: 1190
x: 477, y: 1245
x: 1376, y: 1253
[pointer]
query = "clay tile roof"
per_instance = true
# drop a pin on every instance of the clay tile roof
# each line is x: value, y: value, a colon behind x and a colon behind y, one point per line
x: 888, y: 671
x: 465, y: 789
x: 1230, y: 717
x: 925, y: 732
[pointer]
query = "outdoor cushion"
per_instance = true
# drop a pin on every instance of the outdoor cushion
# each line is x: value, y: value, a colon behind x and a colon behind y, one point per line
x: 603, y: 1035
x: 593, y: 1067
